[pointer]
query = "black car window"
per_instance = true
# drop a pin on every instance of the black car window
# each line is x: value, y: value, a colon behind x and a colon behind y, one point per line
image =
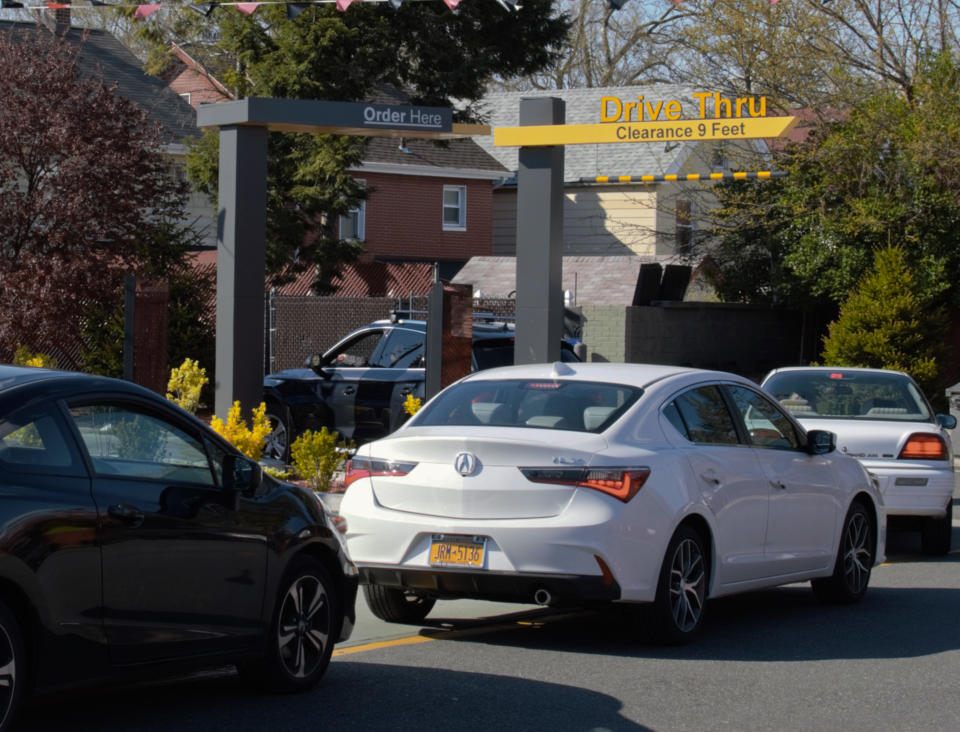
x: 358, y: 351
x: 122, y: 440
x: 492, y: 352
x: 583, y: 406
x: 402, y: 349
x: 32, y: 439
x: 706, y: 419
x: 766, y: 425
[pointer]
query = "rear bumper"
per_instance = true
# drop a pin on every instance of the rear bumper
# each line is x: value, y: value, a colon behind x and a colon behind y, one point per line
x: 563, y: 589
x: 913, y: 489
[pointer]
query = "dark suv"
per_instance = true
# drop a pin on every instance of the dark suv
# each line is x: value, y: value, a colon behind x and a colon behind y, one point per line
x: 358, y: 386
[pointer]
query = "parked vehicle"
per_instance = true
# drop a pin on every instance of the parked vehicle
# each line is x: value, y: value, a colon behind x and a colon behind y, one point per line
x: 882, y: 418
x: 574, y: 484
x: 134, y: 539
x: 358, y: 387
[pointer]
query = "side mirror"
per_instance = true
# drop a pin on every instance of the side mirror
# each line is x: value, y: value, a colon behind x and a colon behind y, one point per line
x: 947, y: 421
x: 317, y: 362
x: 240, y: 473
x: 821, y: 442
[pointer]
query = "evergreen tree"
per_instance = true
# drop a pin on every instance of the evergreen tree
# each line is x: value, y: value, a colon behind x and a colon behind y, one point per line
x: 886, y: 324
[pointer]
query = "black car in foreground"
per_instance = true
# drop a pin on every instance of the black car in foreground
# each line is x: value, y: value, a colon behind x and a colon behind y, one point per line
x: 358, y: 387
x: 134, y: 539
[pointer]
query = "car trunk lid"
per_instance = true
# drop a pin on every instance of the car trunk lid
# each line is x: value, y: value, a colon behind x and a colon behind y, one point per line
x: 477, y: 477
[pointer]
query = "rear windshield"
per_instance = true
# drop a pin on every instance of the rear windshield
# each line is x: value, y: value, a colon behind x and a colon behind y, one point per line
x: 581, y: 406
x: 839, y: 394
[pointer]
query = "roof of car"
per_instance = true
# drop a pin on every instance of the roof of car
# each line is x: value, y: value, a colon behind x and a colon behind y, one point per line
x: 480, y: 330
x: 784, y: 369
x: 624, y: 373
x: 27, y: 382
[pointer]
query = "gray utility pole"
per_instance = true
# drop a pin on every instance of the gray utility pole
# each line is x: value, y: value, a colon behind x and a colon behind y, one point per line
x: 540, y: 239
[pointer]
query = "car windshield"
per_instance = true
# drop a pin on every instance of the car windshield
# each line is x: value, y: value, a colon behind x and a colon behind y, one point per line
x: 582, y: 406
x: 840, y: 394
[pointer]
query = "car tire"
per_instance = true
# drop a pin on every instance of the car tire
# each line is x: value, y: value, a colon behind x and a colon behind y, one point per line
x: 397, y: 606
x: 277, y: 446
x: 306, y: 624
x: 12, y: 667
x: 936, y: 533
x: 854, y: 562
x: 676, y: 614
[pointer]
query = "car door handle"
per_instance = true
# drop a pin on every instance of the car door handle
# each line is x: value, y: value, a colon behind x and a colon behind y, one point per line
x: 126, y: 513
x: 710, y: 477
x: 349, y: 390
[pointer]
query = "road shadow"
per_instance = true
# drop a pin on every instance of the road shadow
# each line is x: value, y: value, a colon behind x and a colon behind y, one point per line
x: 781, y: 624
x: 352, y: 696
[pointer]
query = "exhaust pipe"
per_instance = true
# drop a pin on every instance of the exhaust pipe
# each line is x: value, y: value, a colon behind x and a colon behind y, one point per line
x: 542, y: 597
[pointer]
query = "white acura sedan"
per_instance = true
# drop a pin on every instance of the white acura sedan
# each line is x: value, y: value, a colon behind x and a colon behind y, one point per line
x: 575, y: 484
x: 883, y: 419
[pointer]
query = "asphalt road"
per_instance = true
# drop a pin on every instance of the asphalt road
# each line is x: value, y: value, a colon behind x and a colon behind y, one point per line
x: 775, y: 660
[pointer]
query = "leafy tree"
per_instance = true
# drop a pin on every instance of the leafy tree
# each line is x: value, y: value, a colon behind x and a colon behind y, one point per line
x: 886, y: 174
x: 886, y: 324
x: 84, y: 187
x: 434, y: 55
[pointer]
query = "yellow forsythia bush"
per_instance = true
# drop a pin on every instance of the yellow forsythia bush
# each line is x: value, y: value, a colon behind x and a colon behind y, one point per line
x: 186, y: 383
x: 316, y: 456
x: 412, y: 405
x: 24, y: 357
x: 248, y: 440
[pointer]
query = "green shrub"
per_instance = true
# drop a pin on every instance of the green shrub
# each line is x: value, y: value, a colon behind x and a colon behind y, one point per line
x: 317, y: 457
x: 885, y: 324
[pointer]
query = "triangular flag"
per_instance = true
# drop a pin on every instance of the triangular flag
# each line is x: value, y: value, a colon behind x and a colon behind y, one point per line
x: 203, y: 8
x: 452, y: 4
x: 247, y: 8
x: 395, y: 4
x: 295, y: 10
x: 59, y: 6
x: 511, y: 5
x: 343, y: 4
x: 145, y: 11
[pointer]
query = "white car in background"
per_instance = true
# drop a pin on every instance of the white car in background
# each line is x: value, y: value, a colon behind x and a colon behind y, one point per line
x: 573, y: 484
x: 883, y: 419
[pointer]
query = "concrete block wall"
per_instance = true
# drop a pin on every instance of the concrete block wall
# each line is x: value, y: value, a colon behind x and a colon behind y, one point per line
x: 743, y: 339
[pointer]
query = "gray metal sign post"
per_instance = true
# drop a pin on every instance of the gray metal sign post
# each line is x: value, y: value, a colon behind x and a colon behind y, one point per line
x: 242, y: 216
x: 539, y: 325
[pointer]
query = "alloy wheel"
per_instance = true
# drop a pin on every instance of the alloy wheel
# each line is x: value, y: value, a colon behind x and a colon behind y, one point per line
x: 276, y: 442
x: 857, y: 552
x: 687, y: 585
x: 303, y: 632
x: 8, y: 675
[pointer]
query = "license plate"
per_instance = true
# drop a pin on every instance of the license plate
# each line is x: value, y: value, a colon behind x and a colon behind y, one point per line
x: 457, y: 551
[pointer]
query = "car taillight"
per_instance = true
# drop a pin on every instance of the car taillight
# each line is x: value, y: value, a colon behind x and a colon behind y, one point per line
x: 621, y: 483
x: 361, y: 467
x: 922, y: 446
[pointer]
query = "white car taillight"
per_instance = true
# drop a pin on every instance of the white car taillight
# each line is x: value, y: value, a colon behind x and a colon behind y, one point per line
x: 923, y: 446
x: 621, y: 483
x: 362, y: 467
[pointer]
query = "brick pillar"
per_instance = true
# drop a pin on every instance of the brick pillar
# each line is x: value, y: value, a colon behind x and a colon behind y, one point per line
x: 457, y: 333
x: 150, y: 335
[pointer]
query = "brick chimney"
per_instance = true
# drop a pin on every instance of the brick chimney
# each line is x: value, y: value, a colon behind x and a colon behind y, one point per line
x: 56, y: 20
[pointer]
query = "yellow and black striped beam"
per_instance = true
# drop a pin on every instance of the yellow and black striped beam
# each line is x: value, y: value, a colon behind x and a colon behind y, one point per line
x: 689, y: 177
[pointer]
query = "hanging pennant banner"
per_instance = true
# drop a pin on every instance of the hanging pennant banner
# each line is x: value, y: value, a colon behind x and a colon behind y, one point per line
x: 247, y: 8
x: 144, y: 11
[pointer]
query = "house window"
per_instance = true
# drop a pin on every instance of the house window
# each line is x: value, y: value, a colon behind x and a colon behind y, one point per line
x: 352, y: 224
x: 186, y: 97
x: 455, y: 208
x: 684, y: 225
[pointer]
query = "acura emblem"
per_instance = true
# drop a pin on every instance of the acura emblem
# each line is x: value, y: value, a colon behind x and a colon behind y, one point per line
x: 466, y: 463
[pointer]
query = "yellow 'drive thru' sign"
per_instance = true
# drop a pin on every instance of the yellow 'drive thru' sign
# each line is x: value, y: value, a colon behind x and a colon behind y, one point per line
x: 687, y: 130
